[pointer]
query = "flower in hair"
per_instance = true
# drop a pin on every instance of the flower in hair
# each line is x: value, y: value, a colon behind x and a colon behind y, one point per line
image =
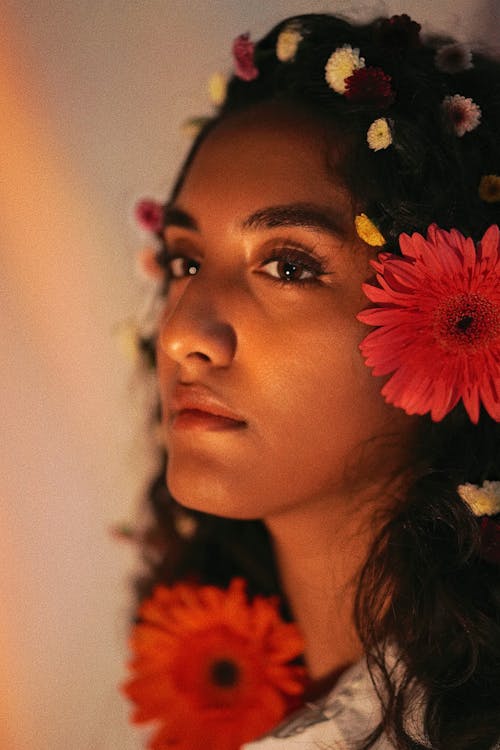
x: 217, y: 88
x: 453, y: 58
x: 211, y: 668
x: 462, y: 114
x: 437, y: 312
x: 489, y: 188
x: 194, y: 125
x: 483, y: 500
x: 399, y: 32
x: 379, y: 134
x: 367, y: 231
x: 149, y: 214
x: 288, y: 42
x: 340, y: 65
x: 369, y: 86
x: 243, y: 54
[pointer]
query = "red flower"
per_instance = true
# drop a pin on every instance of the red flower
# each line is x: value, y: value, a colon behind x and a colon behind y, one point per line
x: 211, y: 668
x: 149, y: 214
x: 369, y: 86
x: 399, y: 32
x: 438, y: 312
x: 243, y: 53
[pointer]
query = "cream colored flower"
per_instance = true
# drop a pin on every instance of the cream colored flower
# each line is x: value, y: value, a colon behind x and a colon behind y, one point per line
x: 379, y: 134
x: 340, y: 65
x: 217, y: 88
x: 483, y: 500
x: 287, y: 43
x: 367, y: 231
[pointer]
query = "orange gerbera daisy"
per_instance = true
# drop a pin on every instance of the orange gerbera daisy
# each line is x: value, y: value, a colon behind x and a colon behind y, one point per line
x: 211, y: 668
x: 438, y: 315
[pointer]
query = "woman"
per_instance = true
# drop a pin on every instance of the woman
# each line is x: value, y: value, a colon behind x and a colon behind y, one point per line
x: 365, y: 496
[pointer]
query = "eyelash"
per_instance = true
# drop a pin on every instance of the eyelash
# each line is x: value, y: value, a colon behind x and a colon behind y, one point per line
x: 304, y: 261
x: 300, y: 259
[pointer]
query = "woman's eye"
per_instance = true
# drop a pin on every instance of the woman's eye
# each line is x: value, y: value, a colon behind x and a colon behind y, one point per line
x: 180, y: 267
x: 293, y: 268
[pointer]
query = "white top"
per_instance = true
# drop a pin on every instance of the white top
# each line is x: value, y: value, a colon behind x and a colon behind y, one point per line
x: 338, y: 721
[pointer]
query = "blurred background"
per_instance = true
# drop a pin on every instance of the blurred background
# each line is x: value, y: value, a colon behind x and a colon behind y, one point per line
x: 92, y: 96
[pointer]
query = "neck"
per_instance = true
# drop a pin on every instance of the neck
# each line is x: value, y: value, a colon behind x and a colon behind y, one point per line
x: 320, y: 550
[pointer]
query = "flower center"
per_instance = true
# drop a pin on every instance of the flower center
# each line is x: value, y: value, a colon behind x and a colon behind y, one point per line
x: 224, y: 673
x: 466, y: 321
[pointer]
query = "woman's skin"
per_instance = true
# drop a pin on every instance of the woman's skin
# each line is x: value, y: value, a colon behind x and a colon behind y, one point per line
x: 268, y: 408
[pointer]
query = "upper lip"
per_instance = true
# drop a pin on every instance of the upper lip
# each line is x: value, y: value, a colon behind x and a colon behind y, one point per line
x: 200, y: 399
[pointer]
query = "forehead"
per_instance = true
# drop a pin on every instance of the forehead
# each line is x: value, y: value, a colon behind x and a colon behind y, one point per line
x: 267, y: 155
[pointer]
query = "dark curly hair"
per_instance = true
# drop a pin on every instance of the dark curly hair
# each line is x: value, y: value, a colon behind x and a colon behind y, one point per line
x: 425, y: 587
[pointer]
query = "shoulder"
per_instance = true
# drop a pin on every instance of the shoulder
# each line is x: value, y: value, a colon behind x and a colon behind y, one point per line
x: 340, y: 720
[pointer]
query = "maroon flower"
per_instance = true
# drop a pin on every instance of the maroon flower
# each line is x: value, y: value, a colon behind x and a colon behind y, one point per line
x: 243, y: 53
x: 399, y: 33
x: 369, y: 86
x: 149, y: 214
x: 490, y: 539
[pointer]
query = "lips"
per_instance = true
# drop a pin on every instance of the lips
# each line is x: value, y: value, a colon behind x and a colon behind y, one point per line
x: 193, y: 407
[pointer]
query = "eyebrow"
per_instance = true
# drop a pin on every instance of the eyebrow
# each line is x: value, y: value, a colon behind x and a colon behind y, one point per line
x: 307, y: 215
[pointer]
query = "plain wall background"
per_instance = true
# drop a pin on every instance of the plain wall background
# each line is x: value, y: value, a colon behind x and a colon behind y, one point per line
x: 92, y: 95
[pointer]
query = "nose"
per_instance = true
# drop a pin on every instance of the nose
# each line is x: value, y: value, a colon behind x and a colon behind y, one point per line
x: 195, y: 333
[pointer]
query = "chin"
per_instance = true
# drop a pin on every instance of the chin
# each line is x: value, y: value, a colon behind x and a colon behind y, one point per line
x: 210, y: 496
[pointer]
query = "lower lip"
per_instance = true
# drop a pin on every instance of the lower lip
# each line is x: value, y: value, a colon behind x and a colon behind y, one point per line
x: 192, y: 419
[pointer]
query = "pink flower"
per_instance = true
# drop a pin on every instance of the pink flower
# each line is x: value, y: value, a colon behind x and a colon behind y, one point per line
x: 453, y: 58
x: 149, y: 214
x: 438, y: 315
x: 369, y: 86
x: 243, y: 53
x: 462, y: 114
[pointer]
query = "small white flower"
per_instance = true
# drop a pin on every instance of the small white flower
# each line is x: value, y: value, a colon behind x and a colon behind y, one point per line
x: 453, y: 58
x: 463, y: 114
x: 287, y: 43
x: 483, y: 500
x: 340, y: 65
x: 217, y: 88
x: 379, y: 134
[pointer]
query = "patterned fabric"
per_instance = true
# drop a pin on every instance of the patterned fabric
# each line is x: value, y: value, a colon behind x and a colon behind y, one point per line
x: 339, y: 721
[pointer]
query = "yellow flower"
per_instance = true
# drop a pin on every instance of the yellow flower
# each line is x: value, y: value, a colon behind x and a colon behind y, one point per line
x: 217, y: 87
x: 379, y: 134
x: 367, y: 231
x: 340, y: 65
x: 287, y: 43
x: 127, y: 338
x: 489, y: 188
x: 484, y: 500
x: 193, y: 126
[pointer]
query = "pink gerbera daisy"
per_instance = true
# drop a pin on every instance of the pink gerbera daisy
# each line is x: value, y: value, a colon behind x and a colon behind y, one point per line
x: 438, y: 315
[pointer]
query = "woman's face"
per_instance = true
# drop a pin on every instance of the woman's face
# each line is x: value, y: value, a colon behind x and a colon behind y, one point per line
x: 267, y: 404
